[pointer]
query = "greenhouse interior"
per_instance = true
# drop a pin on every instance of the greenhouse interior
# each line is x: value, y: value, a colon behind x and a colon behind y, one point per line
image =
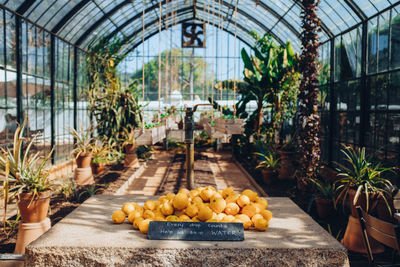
x: 199, y: 132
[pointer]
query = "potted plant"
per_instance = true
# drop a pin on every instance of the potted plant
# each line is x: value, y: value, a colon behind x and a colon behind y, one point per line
x: 83, y: 146
x: 269, y: 166
x: 100, y: 157
x: 324, y: 199
x: 287, y: 155
x: 129, y: 145
x: 363, y: 184
x: 26, y: 178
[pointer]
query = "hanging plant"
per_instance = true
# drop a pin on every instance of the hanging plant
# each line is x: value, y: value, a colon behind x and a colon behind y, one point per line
x: 308, y: 123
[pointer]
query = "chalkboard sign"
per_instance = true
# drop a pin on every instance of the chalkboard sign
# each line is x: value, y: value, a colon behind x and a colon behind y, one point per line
x: 200, y: 231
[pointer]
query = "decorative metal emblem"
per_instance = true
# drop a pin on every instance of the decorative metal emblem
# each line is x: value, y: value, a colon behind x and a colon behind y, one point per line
x: 193, y: 35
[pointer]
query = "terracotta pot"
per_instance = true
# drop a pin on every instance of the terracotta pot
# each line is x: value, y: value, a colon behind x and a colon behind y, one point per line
x: 286, y: 172
x: 83, y: 176
x: 84, y: 160
x: 29, y: 232
x: 268, y: 176
x: 180, y: 125
x: 33, y: 210
x: 353, y: 238
x: 131, y: 159
x: 97, y: 168
x: 130, y: 148
x: 325, y: 208
x: 361, y: 201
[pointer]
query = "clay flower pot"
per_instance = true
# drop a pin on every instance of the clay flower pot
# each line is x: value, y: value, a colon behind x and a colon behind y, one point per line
x: 33, y: 210
x: 286, y: 172
x: 84, y: 160
x: 130, y: 149
x: 97, y: 168
x: 325, y: 208
x: 268, y: 176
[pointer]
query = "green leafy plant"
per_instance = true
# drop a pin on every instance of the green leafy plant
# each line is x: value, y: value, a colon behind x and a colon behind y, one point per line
x: 324, y: 190
x: 83, y: 140
x: 151, y: 125
x: 24, y: 172
x: 362, y: 175
x: 11, y: 226
x: 127, y: 137
x: 144, y: 152
x: 270, y: 161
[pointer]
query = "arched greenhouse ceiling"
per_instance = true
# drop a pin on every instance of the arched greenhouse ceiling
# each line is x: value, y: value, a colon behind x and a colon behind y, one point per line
x: 84, y: 22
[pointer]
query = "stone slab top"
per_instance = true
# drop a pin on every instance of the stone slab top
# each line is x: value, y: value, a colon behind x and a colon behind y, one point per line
x: 90, y: 226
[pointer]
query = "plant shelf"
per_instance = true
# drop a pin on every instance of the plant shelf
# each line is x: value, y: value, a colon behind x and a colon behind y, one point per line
x: 229, y: 126
x: 150, y: 136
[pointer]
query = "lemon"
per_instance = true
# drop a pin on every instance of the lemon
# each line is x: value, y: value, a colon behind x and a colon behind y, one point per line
x: 185, y: 191
x: 170, y: 196
x: 205, y: 213
x: 167, y: 209
x: 128, y: 208
x: 180, y: 201
x: 227, y: 192
x: 251, y: 194
x: 250, y: 210
x: 243, y: 200
x: 136, y: 222
x: 194, y: 193
x: 197, y: 200
x: 206, y: 194
x: 261, y: 224
x: 220, y: 216
x: 256, y: 217
x: 195, y: 219
x: 237, y: 221
x: 232, y: 198
x: 179, y: 212
x: 163, y: 199
x: 192, y: 210
x: 159, y: 218
x: 232, y: 209
x: 228, y: 218
x: 118, y: 216
x: 247, y: 223
x: 144, y: 226
x: 217, y: 204
x: 212, y: 220
x: 149, y: 205
x: 172, y: 218
x: 184, y: 218
x: 133, y: 215
x: 266, y: 214
x: 148, y: 214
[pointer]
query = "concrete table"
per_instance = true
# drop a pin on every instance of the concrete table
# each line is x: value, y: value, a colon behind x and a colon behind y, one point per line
x: 87, y: 237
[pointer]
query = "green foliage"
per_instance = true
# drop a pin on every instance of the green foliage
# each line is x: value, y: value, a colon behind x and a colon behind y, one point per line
x: 104, y: 152
x: 362, y: 175
x: 23, y: 171
x: 144, y: 152
x: 83, y: 140
x: 272, y: 77
x: 270, y: 161
x: 324, y: 190
x: 151, y: 125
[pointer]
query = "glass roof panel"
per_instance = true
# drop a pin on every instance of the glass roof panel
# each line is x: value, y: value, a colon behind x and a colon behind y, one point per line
x: 371, y: 7
x: 337, y: 15
x: 12, y: 4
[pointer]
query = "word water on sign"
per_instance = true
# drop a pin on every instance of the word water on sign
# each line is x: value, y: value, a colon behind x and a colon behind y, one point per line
x: 196, y: 231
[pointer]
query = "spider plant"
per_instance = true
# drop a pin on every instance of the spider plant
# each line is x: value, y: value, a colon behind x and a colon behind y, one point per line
x: 363, y: 176
x: 270, y: 161
x: 24, y: 172
x: 325, y: 190
x: 83, y: 140
x: 128, y: 137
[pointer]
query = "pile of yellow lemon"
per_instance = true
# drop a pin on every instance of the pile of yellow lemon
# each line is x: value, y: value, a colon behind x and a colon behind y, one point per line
x: 203, y: 204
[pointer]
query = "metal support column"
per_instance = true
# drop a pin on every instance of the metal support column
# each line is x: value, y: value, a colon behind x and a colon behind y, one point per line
x: 74, y: 88
x: 189, y: 141
x: 52, y: 93
x: 332, y: 102
x: 18, y: 59
x: 364, y: 90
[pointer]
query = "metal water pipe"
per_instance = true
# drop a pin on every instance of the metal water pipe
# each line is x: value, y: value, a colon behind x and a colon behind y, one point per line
x: 189, y: 141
